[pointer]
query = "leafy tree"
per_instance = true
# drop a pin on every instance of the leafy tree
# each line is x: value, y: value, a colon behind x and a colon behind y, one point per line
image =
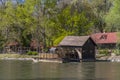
x: 17, y: 21
x: 24, y: 16
x: 7, y: 20
x: 100, y: 9
x: 113, y: 17
x: 49, y: 21
x: 71, y: 21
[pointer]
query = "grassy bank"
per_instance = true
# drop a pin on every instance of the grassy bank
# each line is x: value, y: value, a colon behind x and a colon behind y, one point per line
x: 15, y: 56
x: 42, y: 55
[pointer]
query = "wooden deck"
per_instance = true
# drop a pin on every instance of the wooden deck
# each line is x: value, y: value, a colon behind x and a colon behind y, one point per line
x: 48, y: 57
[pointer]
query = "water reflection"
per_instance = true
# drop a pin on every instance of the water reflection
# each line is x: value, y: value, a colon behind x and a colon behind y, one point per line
x: 88, y: 71
x: 26, y: 70
x: 14, y: 70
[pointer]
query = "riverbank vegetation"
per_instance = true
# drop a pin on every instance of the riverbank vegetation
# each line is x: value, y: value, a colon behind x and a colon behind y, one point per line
x: 9, y: 55
x: 49, y: 21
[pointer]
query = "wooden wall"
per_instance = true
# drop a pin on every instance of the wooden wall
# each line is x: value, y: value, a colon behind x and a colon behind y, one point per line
x: 88, y: 50
x: 48, y: 56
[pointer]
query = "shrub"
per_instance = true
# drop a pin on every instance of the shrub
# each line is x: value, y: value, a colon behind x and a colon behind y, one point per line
x: 105, y: 52
x: 32, y: 53
x: 29, y: 53
x: 117, y: 51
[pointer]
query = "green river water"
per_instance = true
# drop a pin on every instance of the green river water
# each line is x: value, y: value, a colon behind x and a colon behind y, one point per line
x: 27, y: 70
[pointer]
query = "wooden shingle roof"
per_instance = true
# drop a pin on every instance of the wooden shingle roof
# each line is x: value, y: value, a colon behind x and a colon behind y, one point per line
x: 74, y: 41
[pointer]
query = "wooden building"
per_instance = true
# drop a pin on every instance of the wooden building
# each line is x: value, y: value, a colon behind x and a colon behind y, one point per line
x: 106, y: 40
x: 11, y: 46
x: 77, y: 48
x: 35, y: 46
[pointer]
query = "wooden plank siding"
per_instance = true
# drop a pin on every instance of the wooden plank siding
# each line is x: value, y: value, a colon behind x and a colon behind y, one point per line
x: 88, y: 50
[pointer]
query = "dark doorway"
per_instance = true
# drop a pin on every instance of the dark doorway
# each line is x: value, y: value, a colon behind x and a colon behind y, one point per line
x: 88, y: 55
x: 72, y: 56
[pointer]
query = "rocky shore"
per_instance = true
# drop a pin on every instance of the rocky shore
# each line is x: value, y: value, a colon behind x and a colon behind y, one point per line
x: 111, y: 58
x: 114, y: 59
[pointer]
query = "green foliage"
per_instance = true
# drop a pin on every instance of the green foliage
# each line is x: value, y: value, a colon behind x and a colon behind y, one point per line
x: 32, y: 53
x: 58, y: 40
x: 69, y: 21
x: 113, y: 17
x: 29, y: 53
x: 100, y: 9
x: 104, y: 51
x: 48, y: 22
x: 117, y: 52
x: 16, y: 21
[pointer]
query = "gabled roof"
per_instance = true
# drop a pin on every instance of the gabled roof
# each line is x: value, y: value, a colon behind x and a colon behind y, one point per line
x: 34, y: 43
x: 105, y: 38
x: 74, y: 41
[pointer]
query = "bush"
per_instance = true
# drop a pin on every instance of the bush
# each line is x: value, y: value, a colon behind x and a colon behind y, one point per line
x: 29, y: 53
x: 105, y: 52
x: 32, y: 53
x: 117, y: 51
